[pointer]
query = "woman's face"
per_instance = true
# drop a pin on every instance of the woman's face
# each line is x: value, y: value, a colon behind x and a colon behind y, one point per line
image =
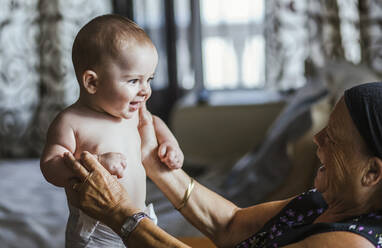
x: 341, y: 151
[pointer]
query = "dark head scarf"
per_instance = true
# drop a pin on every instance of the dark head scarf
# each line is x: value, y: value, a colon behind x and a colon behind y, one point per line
x: 364, y: 103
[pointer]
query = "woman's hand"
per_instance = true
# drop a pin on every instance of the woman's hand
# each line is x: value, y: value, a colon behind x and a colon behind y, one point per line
x: 96, y: 191
x: 101, y: 196
x: 149, y: 143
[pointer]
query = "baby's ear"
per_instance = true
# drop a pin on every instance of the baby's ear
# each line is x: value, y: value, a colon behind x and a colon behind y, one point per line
x: 90, y: 81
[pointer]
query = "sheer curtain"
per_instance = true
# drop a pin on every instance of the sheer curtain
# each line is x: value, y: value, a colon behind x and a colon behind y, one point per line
x: 300, y: 39
x: 36, y: 73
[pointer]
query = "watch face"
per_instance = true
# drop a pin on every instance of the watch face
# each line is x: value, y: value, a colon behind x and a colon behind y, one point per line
x: 130, y: 224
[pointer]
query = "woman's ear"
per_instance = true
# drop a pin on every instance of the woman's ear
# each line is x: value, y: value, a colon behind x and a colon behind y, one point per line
x: 90, y: 81
x: 373, y: 172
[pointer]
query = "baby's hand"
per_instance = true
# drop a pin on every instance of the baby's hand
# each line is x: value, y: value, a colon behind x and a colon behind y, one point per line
x: 114, y: 162
x: 171, y: 155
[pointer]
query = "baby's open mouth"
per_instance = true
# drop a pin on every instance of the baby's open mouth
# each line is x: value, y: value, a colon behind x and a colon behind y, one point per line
x: 135, y: 103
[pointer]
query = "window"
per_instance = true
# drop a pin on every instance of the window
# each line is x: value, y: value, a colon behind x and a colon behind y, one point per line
x: 350, y: 35
x: 149, y: 15
x: 232, y: 50
x: 233, y: 46
x: 249, y: 44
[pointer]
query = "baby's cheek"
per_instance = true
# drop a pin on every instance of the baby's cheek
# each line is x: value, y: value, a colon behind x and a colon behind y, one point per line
x: 148, y: 94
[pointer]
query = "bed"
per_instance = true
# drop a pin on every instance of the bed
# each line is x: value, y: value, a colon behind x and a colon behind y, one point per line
x: 33, y: 213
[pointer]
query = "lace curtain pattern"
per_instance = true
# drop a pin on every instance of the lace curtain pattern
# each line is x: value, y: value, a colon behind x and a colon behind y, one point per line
x: 36, y: 74
x: 303, y: 38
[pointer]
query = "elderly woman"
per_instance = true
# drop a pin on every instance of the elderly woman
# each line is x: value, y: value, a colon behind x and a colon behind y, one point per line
x: 344, y: 209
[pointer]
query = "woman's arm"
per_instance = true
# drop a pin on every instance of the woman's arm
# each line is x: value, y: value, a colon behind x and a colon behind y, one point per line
x: 333, y: 239
x: 147, y: 234
x: 219, y: 219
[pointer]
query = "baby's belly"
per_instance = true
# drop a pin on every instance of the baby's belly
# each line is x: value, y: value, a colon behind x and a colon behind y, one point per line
x: 134, y: 176
x: 134, y: 181
x: 120, y: 139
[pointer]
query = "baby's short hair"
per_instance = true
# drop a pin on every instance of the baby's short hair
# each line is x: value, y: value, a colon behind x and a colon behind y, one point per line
x: 104, y: 36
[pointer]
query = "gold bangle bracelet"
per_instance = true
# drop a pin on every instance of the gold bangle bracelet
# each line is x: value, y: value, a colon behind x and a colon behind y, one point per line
x: 187, y: 194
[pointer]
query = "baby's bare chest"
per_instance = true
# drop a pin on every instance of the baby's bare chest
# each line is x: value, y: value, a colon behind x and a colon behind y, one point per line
x: 100, y: 137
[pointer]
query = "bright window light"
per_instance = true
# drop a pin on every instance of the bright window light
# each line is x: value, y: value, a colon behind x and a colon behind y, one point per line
x: 254, y: 62
x: 228, y: 11
x: 349, y: 31
x: 220, y: 70
x: 232, y: 43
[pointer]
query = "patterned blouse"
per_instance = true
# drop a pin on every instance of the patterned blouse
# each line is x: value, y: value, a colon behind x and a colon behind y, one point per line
x: 295, y: 222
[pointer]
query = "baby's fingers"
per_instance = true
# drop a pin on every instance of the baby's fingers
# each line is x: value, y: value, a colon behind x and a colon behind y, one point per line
x: 162, y: 151
x: 171, y: 155
x: 124, y: 164
x: 172, y: 160
x: 120, y: 172
x: 176, y: 163
x: 116, y: 171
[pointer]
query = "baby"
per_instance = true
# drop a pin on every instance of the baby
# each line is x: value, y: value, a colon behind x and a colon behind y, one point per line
x: 114, y: 61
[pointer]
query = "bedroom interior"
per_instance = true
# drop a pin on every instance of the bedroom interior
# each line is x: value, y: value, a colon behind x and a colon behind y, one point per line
x: 243, y: 92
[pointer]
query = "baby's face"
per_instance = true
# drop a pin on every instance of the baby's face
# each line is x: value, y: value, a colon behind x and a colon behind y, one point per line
x: 124, y: 82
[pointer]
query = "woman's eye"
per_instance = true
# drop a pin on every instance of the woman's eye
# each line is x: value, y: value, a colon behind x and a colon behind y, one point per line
x: 328, y: 138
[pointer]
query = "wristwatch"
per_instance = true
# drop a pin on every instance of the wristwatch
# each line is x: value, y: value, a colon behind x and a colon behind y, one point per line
x: 131, y: 223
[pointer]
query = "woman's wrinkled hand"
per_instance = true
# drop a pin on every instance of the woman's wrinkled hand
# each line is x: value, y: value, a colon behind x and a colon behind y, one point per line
x: 94, y: 190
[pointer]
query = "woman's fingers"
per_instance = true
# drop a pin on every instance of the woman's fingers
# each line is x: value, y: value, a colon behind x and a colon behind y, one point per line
x: 72, y: 190
x: 146, y: 130
x: 144, y: 115
x: 74, y: 184
x: 75, y: 166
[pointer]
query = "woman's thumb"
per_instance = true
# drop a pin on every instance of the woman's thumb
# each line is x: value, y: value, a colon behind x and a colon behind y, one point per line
x: 144, y: 115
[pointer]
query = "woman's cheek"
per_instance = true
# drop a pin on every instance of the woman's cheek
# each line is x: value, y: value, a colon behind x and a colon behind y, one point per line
x: 337, y: 174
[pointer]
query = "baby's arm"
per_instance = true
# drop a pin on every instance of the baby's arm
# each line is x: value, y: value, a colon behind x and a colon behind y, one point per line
x: 169, y: 151
x: 60, y: 139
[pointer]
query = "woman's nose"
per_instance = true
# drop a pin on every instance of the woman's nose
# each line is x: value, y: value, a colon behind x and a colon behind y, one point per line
x: 317, y: 138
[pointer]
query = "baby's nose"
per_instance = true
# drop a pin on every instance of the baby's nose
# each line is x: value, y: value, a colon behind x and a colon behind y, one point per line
x: 145, y: 88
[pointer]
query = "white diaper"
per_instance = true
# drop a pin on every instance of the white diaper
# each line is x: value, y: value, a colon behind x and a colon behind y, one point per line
x: 81, y: 227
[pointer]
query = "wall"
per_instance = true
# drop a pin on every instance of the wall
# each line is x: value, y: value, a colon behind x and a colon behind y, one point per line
x: 225, y: 129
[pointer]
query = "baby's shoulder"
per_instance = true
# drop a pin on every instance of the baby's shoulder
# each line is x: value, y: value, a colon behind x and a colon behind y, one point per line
x: 67, y: 117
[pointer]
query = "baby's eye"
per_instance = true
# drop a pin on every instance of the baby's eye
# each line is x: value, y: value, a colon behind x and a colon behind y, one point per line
x: 150, y: 79
x: 133, y: 81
